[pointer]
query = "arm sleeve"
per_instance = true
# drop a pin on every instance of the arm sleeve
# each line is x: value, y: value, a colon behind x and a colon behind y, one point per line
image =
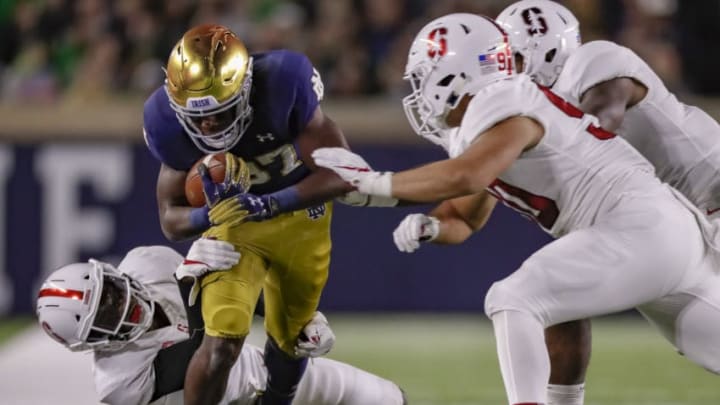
x: 172, y: 362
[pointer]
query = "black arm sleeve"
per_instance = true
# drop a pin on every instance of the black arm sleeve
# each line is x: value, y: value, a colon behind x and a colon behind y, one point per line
x: 172, y: 362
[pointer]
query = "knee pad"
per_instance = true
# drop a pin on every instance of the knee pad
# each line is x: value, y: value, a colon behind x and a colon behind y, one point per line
x: 227, y: 321
x: 504, y: 296
x: 226, y: 315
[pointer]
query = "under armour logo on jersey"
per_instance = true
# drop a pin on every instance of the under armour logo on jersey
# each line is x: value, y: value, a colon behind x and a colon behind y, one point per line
x: 316, y: 212
x: 265, y: 137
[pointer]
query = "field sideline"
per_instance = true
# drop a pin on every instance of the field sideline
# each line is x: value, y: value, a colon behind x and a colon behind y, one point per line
x: 437, y: 359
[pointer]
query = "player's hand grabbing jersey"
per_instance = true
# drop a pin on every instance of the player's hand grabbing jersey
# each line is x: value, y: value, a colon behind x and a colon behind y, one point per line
x: 681, y: 141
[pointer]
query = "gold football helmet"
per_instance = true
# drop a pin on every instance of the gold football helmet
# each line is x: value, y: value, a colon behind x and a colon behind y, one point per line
x: 209, y: 73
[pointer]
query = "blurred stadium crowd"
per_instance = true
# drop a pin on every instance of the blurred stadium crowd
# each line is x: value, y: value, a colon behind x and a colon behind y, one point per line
x: 88, y: 50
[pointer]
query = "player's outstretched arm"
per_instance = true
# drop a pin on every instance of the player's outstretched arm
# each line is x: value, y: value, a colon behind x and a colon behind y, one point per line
x: 610, y: 99
x: 492, y: 152
x: 461, y: 217
x: 451, y: 222
x: 475, y: 169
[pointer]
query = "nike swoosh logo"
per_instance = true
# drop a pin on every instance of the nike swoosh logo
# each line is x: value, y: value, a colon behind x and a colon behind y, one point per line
x: 712, y: 211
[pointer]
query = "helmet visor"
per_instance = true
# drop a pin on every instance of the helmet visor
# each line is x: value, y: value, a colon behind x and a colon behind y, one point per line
x: 423, y: 117
x: 217, y: 126
x: 123, y: 311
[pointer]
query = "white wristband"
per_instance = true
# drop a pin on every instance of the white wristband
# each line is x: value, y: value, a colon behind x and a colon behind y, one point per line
x: 377, y: 183
x: 378, y: 201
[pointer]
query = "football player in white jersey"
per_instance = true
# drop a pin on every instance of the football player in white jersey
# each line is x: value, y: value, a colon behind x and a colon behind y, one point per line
x: 136, y: 321
x: 617, y: 86
x: 616, y: 224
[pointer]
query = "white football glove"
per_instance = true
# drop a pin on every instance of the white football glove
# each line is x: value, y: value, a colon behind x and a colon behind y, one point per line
x: 415, y: 228
x: 205, y: 256
x: 316, y: 338
x: 355, y: 170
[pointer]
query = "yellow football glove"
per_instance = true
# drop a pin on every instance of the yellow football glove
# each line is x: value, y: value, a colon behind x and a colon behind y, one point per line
x: 237, y: 172
x: 229, y: 211
x: 236, y: 180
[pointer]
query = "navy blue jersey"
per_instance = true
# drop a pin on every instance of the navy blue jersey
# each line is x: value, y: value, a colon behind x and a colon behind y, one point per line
x: 286, y: 90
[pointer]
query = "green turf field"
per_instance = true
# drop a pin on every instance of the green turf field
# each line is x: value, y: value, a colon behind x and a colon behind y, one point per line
x: 10, y: 326
x: 451, y: 360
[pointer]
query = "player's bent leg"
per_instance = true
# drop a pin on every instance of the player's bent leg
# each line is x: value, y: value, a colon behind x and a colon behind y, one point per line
x: 209, y: 368
x: 297, y: 275
x: 229, y: 297
x: 284, y: 374
x: 329, y: 382
x: 288, y: 307
x: 691, y: 324
x: 290, y: 303
x: 520, y: 335
x: 634, y: 259
x: 569, y: 347
x: 228, y: 301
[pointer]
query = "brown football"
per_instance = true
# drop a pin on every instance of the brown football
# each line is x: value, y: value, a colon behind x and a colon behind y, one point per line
x: 193, y: 183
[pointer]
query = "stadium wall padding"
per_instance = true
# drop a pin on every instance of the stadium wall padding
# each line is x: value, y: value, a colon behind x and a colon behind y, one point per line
x: 64, y: 202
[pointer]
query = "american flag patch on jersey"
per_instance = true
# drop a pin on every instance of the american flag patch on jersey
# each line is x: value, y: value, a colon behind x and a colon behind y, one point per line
x: 488, y: 62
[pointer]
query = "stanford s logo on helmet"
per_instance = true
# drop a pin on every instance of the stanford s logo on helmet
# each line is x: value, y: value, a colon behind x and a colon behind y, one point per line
x: 534, y: 20
x: 451, y: 57
x: 437, y: 43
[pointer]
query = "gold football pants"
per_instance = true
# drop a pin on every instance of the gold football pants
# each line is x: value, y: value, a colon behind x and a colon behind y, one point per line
x: 287, y: 257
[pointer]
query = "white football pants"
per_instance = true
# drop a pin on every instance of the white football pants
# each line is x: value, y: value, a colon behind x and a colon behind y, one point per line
x: 648, y: 251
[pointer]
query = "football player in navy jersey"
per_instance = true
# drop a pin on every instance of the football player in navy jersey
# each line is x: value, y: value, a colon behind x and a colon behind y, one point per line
x: 263, y: 108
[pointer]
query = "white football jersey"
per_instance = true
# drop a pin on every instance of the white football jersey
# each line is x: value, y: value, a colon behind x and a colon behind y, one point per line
x: 127, y: 376
x: 574, y: 173
x: 681, y: 141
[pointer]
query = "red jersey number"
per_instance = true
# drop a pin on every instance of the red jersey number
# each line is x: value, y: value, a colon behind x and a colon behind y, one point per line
x: 537, y: 208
